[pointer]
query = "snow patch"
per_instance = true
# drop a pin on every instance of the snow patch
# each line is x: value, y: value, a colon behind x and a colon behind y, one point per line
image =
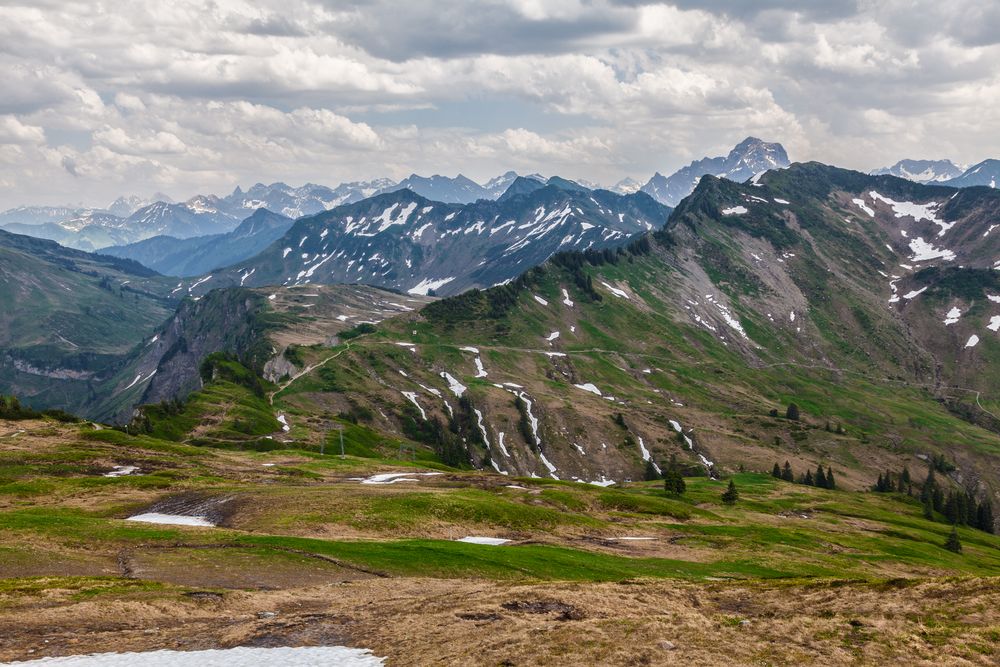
x: 172, y: 519
x: 952, y: 316
x: 589, y: 387
x: 489, y: 541
x: 735, y: 210
x: 973, y: 341
x: 454, y: 385
x: 393, y: 477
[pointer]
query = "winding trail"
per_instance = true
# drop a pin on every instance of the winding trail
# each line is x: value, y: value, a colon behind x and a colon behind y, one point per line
x: 304, y: 371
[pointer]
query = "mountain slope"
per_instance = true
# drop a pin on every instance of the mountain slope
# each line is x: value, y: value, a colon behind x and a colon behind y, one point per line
x: 200, y: 254
x: 922, y: 171
x: 985, y: 173
x: 458, y: 190
x: 402, y: 241
x: 68, y: 317
x: 751, y: 156
x: 754, y: 296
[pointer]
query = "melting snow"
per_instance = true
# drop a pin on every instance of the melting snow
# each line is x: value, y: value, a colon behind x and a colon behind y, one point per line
x: 480, y: 371
x: 614, y: 290
x: 566, y: 299
x: 241, y: 656
x: 918, y: 212
x: 924, y: 251
x: 425, y: 285
x: 973, y: 341
x: 454, y: 385
x: 413, y: 399
x: 284, y: 423
x: 860, y: 203
x: 540, y: 300
x: 589, y: 387
x: 781, y: 201
x: 172, y: 520
x: 548, y: 464
x: 914, y: 293
x: 393, y: 477
x: 994, y: 324
x: 735, y: 210
x: 552, y: 336
x: 490, y: 541
x: 646, y: 456
x: 121, y: 471
x: 953, y: 316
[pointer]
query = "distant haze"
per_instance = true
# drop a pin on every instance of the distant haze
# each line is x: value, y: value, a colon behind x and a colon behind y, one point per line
x: 184, y: 97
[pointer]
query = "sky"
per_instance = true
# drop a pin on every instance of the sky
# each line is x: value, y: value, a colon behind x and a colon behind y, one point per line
x: 99, y: 99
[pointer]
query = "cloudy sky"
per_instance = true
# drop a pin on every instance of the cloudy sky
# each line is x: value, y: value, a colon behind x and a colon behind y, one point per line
x: 103, y: 98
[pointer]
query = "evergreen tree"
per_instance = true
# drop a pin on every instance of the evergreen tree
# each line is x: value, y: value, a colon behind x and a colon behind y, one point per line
x: 928, y: 508
x: 731, y: 495
x: 831, y: 483
x: 951, y: 509
x: 820, y: 477
x: 880, y: 484
x: 786, y: 473
x: 673, y: 480
x: 792, y: 412
x: 904, y: 479
x: 808, y: 479
x: 927, y: 491
x: 984, y: 517
x: 776, y: 471
x: 953, y: 544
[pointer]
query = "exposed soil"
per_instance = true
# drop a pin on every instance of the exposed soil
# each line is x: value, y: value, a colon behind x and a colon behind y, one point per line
x: 430, y: 621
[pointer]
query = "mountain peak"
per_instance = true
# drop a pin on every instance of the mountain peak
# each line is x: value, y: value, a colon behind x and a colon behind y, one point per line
x: 748, y: 158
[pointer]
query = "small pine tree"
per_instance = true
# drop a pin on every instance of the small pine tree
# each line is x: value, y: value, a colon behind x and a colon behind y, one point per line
x: 776, y: 471
x: 820, y: 477
x: 792, y: 412
x: 673, y: 479
x: 831, y: 483
x: 808, y: 479
x: 786, y: 473
x: 731, y: 495
x: 880, y: 484
x: 953, y: 543
x: 928, y: 508
x: 951, y: 509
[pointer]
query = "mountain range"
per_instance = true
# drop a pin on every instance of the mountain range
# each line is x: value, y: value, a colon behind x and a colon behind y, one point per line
x: 403, y: 241
x: 871, y: 301
x: 923, y: 171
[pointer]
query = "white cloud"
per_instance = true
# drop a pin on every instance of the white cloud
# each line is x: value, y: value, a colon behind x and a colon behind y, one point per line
x: 100, y: 100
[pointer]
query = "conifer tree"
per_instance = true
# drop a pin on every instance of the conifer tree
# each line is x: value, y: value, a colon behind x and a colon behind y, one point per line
x: 776, y: 471
x: 808, y: 479
x: 984, y: 517
x: 928, y: 508
x: 792, y: 412
x: 820, y: 478
x: 673, y: 480
x: 731, y: 495
x: 880, y: 484
x: 831, y: 483
x: 951, y: 509
x: 786, y: 473
x: 953, y: 543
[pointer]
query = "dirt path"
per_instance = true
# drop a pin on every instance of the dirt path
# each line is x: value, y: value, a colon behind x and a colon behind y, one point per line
x: 304, y: 371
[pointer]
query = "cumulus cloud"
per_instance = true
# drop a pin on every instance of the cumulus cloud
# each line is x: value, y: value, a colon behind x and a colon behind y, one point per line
x: 192, y: 97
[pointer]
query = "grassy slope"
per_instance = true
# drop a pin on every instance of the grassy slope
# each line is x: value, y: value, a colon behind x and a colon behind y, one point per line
x: 55, y: 506
x: 888, y: 420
